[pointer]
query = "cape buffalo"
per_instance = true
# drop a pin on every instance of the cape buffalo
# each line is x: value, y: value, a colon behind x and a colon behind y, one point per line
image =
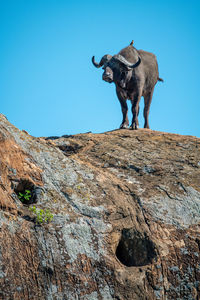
x: 135, y: 74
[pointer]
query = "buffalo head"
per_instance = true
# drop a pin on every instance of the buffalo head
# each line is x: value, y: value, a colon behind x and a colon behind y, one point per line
x: 116, y: 68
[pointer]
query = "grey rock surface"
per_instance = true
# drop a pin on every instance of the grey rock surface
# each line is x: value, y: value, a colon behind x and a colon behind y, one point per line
x: 126, y: 215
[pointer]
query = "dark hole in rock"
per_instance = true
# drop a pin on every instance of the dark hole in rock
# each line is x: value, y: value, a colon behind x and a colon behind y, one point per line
x: 28, y: 218
x: 24, y: 185
x: 198, y: 243
x: 52, y: 138
x: 135, y: 248
x: 70, y: 149
x: 134, y: 168
x: 48, y: 270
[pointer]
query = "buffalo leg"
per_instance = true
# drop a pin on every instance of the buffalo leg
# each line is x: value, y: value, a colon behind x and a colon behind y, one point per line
x: 147, y: 103
x: 138, y: 110
x: 135, y: 111
x: 124, y: 107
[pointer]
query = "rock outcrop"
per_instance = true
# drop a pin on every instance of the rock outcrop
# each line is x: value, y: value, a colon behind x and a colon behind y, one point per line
x: 126, y: 207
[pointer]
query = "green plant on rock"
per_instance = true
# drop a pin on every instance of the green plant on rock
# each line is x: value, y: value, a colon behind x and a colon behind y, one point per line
x: 42, y: 216
x: 26, y: 196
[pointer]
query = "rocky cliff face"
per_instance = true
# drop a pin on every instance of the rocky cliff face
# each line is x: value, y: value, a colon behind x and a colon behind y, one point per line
x: 126, y: 208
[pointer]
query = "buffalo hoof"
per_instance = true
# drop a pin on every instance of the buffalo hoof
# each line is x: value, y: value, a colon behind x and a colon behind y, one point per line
x: 123, y: 126
x: 134, y: 126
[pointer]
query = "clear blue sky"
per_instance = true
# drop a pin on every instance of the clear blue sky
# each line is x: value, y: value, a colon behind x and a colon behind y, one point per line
x: 48, y: 85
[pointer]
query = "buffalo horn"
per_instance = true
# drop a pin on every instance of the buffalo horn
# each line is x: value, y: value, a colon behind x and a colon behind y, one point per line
x: 104, y: 59
x: 126, y: 62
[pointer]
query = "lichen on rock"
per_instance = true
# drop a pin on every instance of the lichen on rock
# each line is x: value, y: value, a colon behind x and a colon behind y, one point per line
x: 126, y: 216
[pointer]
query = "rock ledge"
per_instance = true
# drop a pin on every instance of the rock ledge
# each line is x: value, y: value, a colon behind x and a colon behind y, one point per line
x: 126, y: 208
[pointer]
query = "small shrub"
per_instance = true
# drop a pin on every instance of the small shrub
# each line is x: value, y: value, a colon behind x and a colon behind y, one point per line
x: 25, y: 197
x: 42, y: 216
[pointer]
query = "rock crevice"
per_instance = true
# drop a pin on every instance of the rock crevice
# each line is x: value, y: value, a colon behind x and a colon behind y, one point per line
x: 126, y: 216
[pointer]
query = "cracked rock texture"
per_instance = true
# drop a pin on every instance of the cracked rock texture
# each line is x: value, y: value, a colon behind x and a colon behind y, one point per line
x: 126, y: 208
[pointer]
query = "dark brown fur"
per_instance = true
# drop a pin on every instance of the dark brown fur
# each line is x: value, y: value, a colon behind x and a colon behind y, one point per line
x: 135, y: 74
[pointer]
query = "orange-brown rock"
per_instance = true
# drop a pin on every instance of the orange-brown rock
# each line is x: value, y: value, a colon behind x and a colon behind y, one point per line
x: 126, y: 208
